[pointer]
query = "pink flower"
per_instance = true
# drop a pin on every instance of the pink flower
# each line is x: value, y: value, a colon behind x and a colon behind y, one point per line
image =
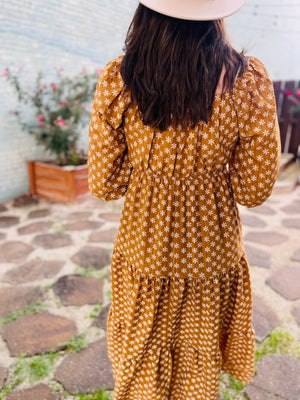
x: 288, y: 94
x: 60, y: 121
x: 45, y: 86
x: 98, y: 71
x: 41, y: 123
x: 5, y: 73
x: 38, y: 89
x: 63, y: 103
x: 298, y: 93
x: 54, y: 86
x: 296, y: 101
x: 41, y: 117
x: 83, y: 70
x: 20, y: 69
x: 61, y: 69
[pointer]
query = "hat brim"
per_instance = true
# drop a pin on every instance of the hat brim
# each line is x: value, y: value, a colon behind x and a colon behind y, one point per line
x: 197, y: 10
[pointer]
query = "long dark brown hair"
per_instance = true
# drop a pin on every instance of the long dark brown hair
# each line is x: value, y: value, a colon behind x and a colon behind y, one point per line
x: 172, y: 67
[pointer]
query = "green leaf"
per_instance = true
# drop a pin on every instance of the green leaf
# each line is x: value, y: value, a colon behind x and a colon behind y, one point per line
x: 78, y: 91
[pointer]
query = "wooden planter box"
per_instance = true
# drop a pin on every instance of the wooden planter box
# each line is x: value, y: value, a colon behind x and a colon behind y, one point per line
x: 62, y: 184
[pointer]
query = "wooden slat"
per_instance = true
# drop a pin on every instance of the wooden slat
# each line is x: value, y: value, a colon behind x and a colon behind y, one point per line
x: 277, y: 91
x: 70, y: 182
x: 295, y: 136
x: 52, y: 195
x: 53, y: 182
x: 289, y: 126
x: 284, y: 118
x: 30, y: 168
x: 81, y: 181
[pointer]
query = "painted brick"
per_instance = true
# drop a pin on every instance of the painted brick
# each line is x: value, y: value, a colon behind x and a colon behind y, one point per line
x: 39, y: 35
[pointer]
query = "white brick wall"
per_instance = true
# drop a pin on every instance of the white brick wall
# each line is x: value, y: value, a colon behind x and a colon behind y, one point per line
x: 270, y: 30
x: 39, y: 35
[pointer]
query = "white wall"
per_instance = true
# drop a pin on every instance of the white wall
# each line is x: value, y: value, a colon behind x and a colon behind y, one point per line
x: 39, y: 35
x: 270, y: 30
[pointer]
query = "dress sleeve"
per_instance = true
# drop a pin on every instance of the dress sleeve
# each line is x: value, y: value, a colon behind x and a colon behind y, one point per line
x: 109, y: 167
x: 256, y: 157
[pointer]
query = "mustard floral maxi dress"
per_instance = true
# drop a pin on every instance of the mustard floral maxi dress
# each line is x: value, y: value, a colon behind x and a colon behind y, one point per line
x: 181, y: 293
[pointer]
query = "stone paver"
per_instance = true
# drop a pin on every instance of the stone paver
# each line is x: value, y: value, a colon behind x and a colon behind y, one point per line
x: 258, y: 257
x: 296, y: 255
x: 37, y: 332
x: 108, y: 235
x: 95, y: 204
x: 286, y: 281
x: 255, y: 393
x: 296, y: 313
x: 89, y: 256
x: 14, y: 251
x: 101, y: 320
x: 33, y: 270
x: 264, y: 318
x: 291, y: 223
x: 92, y: 230
x: 267, y: 238
x: 16, y: 298
x: 35, y: 227
x: 3, y: 208
x: 37, y: 392
x: 25, y: 201
x: 278, y: 374
x: 3, y: 375
x: 52, y: 240
x: 8, y: 221
x: 43, y: 212
x: 252, y: 220
x: 263, y: 209
x: 110, y: 216
x: 83, y: 225
x: 78, y: 290
x: 87, y: 370
x: 293, y: 208
x: 79, y: 215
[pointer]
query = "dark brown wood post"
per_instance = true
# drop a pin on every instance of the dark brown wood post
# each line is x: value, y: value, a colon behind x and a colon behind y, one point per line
x: 31, y: 176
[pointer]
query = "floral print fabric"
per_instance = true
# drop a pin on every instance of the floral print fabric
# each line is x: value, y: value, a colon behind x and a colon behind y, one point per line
x: 181, y: 293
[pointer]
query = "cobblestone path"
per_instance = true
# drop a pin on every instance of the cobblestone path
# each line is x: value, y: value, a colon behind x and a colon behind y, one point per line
x: 55, y: 286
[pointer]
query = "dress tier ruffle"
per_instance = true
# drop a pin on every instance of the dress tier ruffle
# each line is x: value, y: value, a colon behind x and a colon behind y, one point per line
x: 172, y: 337
x: 181, y: 292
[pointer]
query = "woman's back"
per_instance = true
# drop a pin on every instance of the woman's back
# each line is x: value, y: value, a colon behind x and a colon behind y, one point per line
x: 181, y: 293
x: 179, y: 178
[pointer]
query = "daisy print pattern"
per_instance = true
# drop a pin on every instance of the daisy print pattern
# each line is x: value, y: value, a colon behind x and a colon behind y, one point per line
x: 181, y: 308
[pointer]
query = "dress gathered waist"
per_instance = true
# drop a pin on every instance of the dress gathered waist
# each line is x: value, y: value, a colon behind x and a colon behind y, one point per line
x: 192, y: 175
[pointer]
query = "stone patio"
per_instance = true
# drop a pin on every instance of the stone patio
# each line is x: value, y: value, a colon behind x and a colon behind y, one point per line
x: 47, y: 250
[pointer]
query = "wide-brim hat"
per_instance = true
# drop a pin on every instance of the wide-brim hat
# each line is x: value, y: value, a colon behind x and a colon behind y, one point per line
x: 199, y: 10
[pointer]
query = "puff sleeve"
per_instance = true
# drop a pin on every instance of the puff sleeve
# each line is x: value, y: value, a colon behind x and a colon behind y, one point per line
x: 256, y: 157
x: 109, y: 167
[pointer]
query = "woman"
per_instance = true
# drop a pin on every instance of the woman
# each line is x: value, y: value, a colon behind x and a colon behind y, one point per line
x: 186, y: 127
